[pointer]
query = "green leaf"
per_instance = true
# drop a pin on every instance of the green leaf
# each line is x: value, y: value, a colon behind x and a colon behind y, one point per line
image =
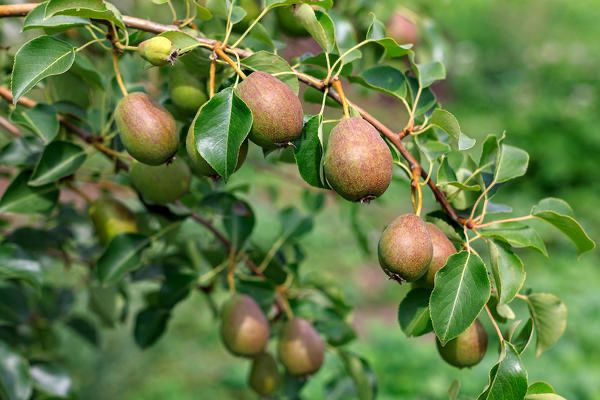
x: 542, y: 391
x: 454, y: 390
x: 219, y: 140
x: 238, y: 217
x: 122, y: 255
x: 37, y: 59
x: 558, y: 213
x: 549, y: 315
x: 522, y: 339
x: 384, y: 79
x: 512, y: 162
x: 308, y: 151
x: 362, y: 375
x: 461, y: 290
x: 15, y: 380
x: 51, y: 380
x: 336, y: 331
x: 516, y: 234
x: 508, y: 378
x: 294, y: 224
x: 306, y: 16
x: 94, y: 9
x: 508, y: 271
x: 413, y: 313
x: 273, y: 64
x: 103, y: 302
x: 21, y: 198
x: 358, y: 229
x: 41, y: 120
x: 150, y: 324
x: 429, y: 73
x: 35, y: 20
x: 15, y: 266
x: 86, y: 70
x: 181, y: 41
x: 446, y: 121
x: 58, y: 160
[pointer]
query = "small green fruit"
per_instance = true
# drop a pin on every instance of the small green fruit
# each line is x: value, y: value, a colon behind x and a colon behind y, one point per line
x: 358, y: 164
x: 161, y: 184
x: 402, y: 27
x: 442, y: 249
x: 157, y: 51
x: 199, y: 164
x: 111, y: 218
x: 244, y: 327
x: 264, y: 376
x: 147, y: 130
x: 276, y: 109
x: 467, y: 349
x: 300, y: 349
x: 288, y: 22
x: 186, y: 92
x: 405, y: 248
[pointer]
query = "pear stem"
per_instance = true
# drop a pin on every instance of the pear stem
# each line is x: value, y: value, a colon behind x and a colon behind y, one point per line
x: 115, y: 57
x: 228, y: 60
x: 337, y: 85
x: 211, y: 78
x: 494, y: 323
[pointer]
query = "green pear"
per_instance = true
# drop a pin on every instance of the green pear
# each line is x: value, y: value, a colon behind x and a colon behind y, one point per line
x: 161, y: 184
x: 467, y: 349
x: 111, y: 218
x: 264, y: 377
x: 157, y: 51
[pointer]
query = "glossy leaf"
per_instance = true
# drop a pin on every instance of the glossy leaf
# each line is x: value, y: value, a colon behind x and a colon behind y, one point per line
x: 558, y: 213
x: 512, y: 163
x: 522, y: 338
x: 461, y: 290
x: 516, y: 234
x: 308, y: 151
x: 507, y: 269
x: 429, y: 73
x: 220, y: 140
x: 40, y: 120
x: 14, y: 265
x: 95, y: 9
x: 15, y: 379
x: 58, y: 160
x: 37, y: 59
x: 35, y: 20
x: 413, y: 313
x: 383, y: 78
x: 549, y: 315
x: 508, y: 378
x: 122, y: 255
x: 21, y: 198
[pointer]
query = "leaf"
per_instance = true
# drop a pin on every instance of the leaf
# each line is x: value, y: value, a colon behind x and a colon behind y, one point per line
x: 454, y: 390
x: 336, y: 331
x: 35, y: 20
x: 549, y: 315
x: 37, y: 59
x: 508, y: 378
x: 516, y: 234
x: 150, y: 324
x: 308, y: 151
x: 429, y: 73
x: 384, y: 79
x: 522, y: 339
x: 361, y: 373
x: 58, y: 160
x: 15, y: 266
x: 181, y: 41
x: 558, y: 213
x: 219, y: 140
x: 294, y: 224
x: 413, y: 313
x: 23, y: 199
x: 122, y: 255
x: 273, y: 64
x: 51, y: 380
x: 358, y: 229
x: 461, y: 290
x: 512, y: 162
x: 84, y: 328
x: 94, y: 9
x: 15, y: 380
x: 507, y: 269
x: 306, y: 16
x: 446, y: 121
x: 542, y: 391
x: 41, y: 120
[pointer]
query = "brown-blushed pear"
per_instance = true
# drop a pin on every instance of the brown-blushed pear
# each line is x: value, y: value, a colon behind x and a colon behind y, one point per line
x: 442, y: 249
x: 300, y: 348
x: 467, y: 349
x: 244, y: 327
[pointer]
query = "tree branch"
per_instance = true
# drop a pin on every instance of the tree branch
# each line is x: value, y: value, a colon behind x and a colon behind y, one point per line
x: 394, y: 138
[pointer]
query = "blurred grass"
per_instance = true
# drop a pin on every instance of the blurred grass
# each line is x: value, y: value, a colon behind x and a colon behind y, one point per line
x: 530, y: 68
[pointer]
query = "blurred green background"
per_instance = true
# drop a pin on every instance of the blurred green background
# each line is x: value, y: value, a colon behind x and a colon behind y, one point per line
x: 531, y: 68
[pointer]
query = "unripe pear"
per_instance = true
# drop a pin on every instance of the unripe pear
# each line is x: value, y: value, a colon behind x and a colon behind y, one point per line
x: 300, y: 349
x: 442, y: 249
x: 405, y: 248
x: 147, y: 130
x: 467, y: 349
x: 358, y: 164
x: 186, y: 92
x: 199, y: 164
x: 288, y: 22
x: 111, y: 218
x: 402, y: 27
x: 244, y: 327
x: 157, y: 51
x: 163, y: 183
x: 264, y: 376
x: 276, y: 109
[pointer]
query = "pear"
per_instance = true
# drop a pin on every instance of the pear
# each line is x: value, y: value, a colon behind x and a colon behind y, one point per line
x: 244, y: 327
x: 186, y: 92
x: 442, y: 249
x: 358, y: 164
x: 111, y: 218
x: 300, y: 349
x: 157, y: 51
x: 199, y: 164
x: 467, y: 349
x: 276, y: 110
x: 405, y: 248
x: 264, y: 377
x: 163, y: 183
x: 147, y: 130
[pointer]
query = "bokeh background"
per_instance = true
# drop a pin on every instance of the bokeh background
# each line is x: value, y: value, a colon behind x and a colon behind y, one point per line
x: 530, y: 68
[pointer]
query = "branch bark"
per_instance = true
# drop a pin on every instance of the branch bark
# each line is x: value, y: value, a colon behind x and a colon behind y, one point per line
x: 394, y: 138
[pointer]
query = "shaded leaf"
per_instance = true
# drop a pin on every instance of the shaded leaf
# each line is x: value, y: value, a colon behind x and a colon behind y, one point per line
x: 122, y: 255
x: 51, y: 379
x: 41, y: 120
x: 413, y: 313
x: 507, y: 269
x: 516, y: 234
x: 308, y: 151
x: 549, y: 315
x: 14, y: 265
x: 150, y: 324
x: 15, y: 379
x: 21, y: 198
x: 58, y: 160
